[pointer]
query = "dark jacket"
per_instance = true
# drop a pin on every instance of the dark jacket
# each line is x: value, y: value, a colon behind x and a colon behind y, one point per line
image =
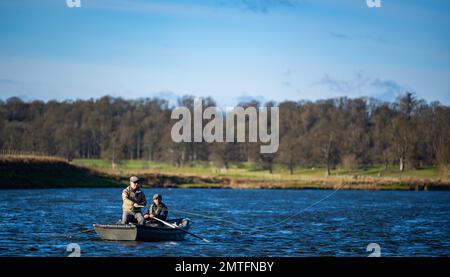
x: 159, y: 211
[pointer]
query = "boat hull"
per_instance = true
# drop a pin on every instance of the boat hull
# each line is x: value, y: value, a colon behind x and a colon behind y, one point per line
x: 148, y: 232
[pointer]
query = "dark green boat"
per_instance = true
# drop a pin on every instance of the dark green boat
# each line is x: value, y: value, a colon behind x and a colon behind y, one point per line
x: 147, y: 232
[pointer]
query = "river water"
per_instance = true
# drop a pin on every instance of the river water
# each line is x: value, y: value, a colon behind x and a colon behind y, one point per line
x: 273, y: 222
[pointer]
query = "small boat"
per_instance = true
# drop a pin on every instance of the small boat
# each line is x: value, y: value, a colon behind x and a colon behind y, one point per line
x: 147, y: 232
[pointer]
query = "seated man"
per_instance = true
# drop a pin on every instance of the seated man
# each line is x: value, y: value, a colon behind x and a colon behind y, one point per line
x: 157, y: 209
x: 133, y: 200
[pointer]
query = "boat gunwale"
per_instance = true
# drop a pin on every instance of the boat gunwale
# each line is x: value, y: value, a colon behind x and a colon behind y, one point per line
x: 135, y: 226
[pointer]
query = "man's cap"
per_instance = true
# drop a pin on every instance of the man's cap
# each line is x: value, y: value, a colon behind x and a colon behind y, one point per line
x: 157, y: 196
x: 134, y: 179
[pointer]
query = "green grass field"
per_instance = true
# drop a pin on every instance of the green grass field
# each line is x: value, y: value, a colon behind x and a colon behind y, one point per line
x: 33, y: 172
x: 250, y: 171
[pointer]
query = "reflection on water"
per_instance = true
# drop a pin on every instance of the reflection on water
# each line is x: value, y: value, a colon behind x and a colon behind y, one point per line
x: 402, y: 223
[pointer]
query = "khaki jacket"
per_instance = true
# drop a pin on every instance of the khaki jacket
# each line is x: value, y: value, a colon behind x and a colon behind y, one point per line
x: 129, y: 197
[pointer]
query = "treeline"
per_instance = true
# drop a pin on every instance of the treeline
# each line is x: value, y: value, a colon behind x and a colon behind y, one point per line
x: 351, y: 133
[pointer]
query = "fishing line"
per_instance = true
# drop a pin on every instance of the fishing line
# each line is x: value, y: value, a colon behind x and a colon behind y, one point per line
x: 218, y: 218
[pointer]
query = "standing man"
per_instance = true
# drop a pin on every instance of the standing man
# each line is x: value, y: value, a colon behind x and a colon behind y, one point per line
x: 157, y: 209
x: 133, y: 200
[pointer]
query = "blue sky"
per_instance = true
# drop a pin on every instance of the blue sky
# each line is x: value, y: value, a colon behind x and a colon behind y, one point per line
x: 230, y: 50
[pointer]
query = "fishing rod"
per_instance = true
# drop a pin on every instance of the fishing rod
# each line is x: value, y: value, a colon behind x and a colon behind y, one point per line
x: 177, y: 227
x: 217, y: 218
x: 70, y: 235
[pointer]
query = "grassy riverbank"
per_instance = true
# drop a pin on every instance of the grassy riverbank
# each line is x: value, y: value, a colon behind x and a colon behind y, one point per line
x: 36, y: 172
